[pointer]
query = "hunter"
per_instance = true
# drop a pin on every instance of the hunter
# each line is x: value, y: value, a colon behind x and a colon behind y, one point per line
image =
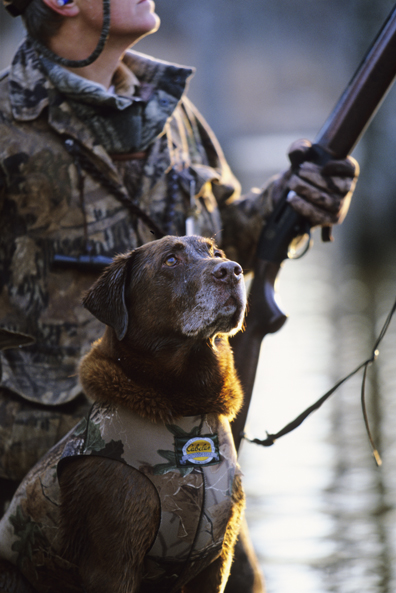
x: 100, y: 152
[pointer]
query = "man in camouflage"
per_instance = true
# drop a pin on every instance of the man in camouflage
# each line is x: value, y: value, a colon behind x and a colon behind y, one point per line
x: 93, y: 162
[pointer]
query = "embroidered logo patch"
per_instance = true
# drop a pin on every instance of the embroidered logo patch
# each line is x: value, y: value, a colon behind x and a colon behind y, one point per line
x: 202, y: 450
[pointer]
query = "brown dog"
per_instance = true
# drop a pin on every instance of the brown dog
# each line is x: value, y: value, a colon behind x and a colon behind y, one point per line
x: 146, y: 495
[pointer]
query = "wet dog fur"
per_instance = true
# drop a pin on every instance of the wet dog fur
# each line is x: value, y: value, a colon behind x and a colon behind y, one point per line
x: 169, y: 307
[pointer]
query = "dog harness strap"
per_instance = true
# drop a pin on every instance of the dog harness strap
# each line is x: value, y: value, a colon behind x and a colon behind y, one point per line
x: 192, y: 465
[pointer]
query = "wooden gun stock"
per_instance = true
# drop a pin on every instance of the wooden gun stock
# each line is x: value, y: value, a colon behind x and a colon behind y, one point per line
x: 337, y: 138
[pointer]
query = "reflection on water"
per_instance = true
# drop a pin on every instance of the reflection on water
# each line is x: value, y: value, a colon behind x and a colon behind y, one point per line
x: 322, y: 515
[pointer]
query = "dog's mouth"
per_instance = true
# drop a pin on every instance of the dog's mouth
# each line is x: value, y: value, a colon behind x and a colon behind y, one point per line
x: 236, y: 297
x: 216, y: 309
x: 233, y: 310
x: 231, y: 302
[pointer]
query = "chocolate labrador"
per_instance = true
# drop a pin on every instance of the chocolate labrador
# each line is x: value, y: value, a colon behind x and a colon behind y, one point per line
x: 144, y: 495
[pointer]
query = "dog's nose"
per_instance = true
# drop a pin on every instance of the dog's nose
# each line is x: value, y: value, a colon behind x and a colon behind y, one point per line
x: 227, y: 271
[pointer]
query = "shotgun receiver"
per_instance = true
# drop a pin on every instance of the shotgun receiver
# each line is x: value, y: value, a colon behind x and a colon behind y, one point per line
x: 337, y: 138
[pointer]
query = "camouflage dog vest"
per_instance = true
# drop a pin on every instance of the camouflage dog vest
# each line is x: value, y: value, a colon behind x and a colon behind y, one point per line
x: 192, y: 465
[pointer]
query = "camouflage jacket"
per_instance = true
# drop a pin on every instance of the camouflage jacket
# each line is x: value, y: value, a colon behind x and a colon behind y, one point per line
x: 62, y: 194
x: 191, y: 464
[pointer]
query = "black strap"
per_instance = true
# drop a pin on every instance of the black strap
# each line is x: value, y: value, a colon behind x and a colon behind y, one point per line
x: 271, y: 438
x: 3, y: 179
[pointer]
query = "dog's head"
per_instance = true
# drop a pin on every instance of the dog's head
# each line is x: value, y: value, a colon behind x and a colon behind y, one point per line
x: 176, y: 286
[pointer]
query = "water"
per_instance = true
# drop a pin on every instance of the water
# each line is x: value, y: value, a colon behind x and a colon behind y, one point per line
x: 322, y: 515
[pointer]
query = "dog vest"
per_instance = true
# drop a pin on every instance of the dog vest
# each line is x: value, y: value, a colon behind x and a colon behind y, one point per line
x: 192, y: 465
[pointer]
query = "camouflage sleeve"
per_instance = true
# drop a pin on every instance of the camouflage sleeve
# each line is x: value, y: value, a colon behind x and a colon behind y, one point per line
x: 242, y: 215
x: 243, y: 218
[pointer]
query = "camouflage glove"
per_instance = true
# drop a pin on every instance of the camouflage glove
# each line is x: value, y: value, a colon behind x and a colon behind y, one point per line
x: 321, y: 194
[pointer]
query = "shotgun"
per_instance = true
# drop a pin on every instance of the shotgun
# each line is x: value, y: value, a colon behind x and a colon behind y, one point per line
x: 337, y: 138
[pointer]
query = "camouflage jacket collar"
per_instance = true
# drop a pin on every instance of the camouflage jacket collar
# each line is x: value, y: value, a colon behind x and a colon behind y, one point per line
x: 30, y: 88
x: 28, y: 84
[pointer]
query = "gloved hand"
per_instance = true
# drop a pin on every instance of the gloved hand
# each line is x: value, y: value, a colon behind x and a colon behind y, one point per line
x: 321, y: 194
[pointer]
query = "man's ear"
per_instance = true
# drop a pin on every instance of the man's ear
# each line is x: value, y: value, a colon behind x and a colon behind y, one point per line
x: 63, y: 7
x: 106, y: 298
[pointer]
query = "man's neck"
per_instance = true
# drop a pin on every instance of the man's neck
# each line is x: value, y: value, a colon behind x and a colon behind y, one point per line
x: 103, y: 68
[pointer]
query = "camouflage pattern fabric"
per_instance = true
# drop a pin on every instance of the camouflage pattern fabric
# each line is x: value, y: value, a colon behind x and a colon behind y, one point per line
x: 28, y: 431
x: 118, y: 121
x: 28, y: 530
x: 191, y: 464
x: 51, y: 206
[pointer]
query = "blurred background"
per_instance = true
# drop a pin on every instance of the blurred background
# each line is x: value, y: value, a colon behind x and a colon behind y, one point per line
x: 322, y: 515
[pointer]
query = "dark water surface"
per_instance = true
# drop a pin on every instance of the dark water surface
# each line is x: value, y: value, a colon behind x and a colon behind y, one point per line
x: 322, y: 514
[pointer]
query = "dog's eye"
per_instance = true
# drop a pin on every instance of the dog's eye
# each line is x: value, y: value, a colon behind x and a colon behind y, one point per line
x: 171, y: 261
x: 217, y: 254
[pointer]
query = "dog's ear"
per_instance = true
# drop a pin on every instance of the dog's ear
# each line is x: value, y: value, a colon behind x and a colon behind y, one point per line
x: 106, y: 297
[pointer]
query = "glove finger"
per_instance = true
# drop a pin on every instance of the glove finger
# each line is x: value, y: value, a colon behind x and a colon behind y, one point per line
x: 314, y: 175
x: 298, y: 150
x: 322, y: 199
x: 348, y: 167
x: 341, y: 185
x: 315, y: 215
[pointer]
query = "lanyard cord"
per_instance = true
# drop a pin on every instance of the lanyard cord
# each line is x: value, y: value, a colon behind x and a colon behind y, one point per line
x: 271, y: 438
